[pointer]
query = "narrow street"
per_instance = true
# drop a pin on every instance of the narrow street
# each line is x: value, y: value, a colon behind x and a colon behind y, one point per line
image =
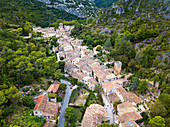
x: 64, y: 106
x: 109, y: 108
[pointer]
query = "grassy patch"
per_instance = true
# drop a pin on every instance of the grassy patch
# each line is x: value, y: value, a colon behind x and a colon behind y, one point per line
x: 75, y: 94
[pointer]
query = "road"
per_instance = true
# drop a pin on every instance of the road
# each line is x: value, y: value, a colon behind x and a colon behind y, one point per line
x: 64, y: 106
x: 109, y: 108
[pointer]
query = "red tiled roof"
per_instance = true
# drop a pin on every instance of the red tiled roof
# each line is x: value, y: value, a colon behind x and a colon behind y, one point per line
x: 130, y: 116
x: 53, y: 87
x: 49, y: 124
x: 45, y: 106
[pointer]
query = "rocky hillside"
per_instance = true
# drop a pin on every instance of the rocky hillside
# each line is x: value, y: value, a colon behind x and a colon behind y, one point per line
x: 80, y: 8
x: 104, y: 3
x: 156, y: 10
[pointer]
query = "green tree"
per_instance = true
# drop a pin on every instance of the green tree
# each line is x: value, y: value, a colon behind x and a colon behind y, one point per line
x: 165, y: 99
x: 98, y: 89
x: 107, y: 45
x: 116, y: 103
x: 59, y: 99
x: 132, y: 64
x: 70, y: 114
x: 158, y: 109
x: 62, y: 87
x: 73, y: 81
x: 157, y: 121
x: 28, y: 101
x: 2, y: 102
x: 134, y: 84
x: 105, y: 124
x: 142, y: 87
x: 123, y: 59
x: 58, y: 74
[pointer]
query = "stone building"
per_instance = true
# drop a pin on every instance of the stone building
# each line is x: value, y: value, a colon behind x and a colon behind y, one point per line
x: 117, y: 67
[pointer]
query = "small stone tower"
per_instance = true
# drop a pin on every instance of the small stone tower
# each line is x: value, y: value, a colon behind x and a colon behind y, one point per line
x: 61, y: 26
x: 117, y: 67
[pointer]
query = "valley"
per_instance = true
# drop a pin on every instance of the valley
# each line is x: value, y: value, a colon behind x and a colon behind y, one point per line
x: 76, y: 63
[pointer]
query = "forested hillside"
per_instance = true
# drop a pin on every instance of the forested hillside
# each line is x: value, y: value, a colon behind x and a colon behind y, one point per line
x: 104, y: 3
x: 20, y: 11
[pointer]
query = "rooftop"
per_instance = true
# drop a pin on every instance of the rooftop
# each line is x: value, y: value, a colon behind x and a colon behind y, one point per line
x: 113, y: 98
x: 79, y: 75
x: 94, y: 115
x: 49, y: 124
x: 53, y: 87
x: 130, y: 116
x: 43, y: 105
x: 130, y: 124
x: 125, y: 105
x: 112, y: 86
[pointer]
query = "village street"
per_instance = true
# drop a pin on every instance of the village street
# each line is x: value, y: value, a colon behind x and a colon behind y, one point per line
x: 109, y: 109
x: 64, y: 106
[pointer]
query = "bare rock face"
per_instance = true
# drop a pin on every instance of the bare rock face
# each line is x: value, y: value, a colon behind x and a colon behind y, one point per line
x: 117, y: 67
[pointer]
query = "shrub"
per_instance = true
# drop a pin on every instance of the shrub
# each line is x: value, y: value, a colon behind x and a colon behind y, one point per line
x: 61, y: 58
x: 26, y: 89
x: 32, y: 92
x: 59, y: 99
x: 36, y: 89
x: 52, y: 95
x: 98, y: 48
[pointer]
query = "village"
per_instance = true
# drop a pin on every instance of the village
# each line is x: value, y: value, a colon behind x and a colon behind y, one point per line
x: 81, y: 64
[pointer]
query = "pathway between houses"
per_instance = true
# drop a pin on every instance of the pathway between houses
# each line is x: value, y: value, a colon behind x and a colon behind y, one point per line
x: 109, y: 108
x: 64, y: 106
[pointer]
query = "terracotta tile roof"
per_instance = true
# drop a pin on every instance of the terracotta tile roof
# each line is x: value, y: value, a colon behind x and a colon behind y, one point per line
x: 129, y: 96
x: 80, y: 63
x: 49, y: 124
x: 132, y: 97
x: 38, y: 102
x: 111, y: 76
x: 45, y: 106
x: 53, y: 87
x: 130, y: 124
x: 125, y: 108
x: 124, y: 105
x: 79, y: 75
x: 112, y: 86
x: 93, y: 81
x: 94, y: 115
x: 86, y: 68
x: 72, y: 70
x: 130, y: 116
x: 113, y: 98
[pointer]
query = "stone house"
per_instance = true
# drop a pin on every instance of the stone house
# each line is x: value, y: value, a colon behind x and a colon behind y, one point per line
x: 90, y: 82
x: 117, y: 67
x: 44, y: 108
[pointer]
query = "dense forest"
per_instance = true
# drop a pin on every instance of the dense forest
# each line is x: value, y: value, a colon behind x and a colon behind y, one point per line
x: 20, y: 11
x: 23, y: 62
